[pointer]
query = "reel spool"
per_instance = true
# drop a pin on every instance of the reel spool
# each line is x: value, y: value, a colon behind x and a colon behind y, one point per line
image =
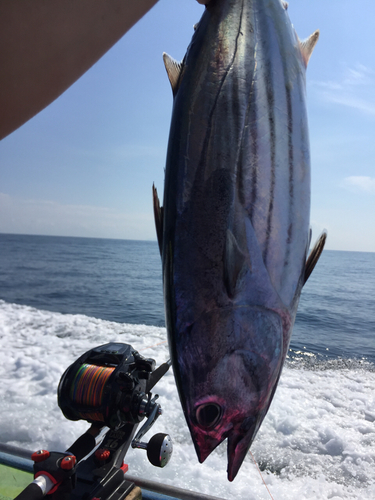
x: 107, y: 386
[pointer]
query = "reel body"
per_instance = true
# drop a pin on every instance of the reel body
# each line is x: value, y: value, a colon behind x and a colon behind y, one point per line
x: 107, y: 386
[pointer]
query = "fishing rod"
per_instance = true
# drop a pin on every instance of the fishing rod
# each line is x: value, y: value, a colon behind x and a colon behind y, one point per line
x: 110, y: 387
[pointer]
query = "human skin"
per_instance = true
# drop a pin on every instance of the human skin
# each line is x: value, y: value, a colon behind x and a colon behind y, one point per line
x: 45, y: 46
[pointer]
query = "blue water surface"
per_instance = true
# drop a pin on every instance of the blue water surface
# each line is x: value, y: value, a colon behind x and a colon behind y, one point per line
x: 116, y: 280
x: 120, y: 280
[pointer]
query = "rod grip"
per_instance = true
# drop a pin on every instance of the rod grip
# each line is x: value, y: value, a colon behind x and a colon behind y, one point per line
x: 31, y: 492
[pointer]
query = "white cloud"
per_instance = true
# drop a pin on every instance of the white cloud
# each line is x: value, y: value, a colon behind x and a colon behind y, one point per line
x: 360, y: 183
x: 18, y: 215
x: 355, y: 89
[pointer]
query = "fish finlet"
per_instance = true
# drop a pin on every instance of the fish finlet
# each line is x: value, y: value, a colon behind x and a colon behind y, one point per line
x: 174, y: 69
x: 307, y: 46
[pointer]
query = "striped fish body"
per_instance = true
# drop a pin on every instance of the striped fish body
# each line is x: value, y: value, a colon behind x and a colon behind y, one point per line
x: 236, y: 218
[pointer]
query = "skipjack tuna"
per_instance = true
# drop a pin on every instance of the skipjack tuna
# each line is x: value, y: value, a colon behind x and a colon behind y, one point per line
x: 234, y: 231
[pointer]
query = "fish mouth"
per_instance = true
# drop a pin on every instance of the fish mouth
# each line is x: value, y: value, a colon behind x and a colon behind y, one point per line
x: 214, y: 424
x: 226, y: 385
x: 214, y: 428
x: 208, y: 426
x: 239, y: 445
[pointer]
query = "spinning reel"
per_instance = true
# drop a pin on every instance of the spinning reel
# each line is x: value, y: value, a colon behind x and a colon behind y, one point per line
x: 108, y: 386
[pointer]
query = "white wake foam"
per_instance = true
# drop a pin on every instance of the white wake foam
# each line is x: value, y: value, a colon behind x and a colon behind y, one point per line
x: 317, y: 441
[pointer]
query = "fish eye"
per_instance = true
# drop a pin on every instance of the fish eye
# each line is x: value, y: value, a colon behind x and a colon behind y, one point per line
x: 208, y: 415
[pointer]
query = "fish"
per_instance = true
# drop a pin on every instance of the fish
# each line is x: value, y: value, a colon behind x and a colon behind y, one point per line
x: 234, y: 230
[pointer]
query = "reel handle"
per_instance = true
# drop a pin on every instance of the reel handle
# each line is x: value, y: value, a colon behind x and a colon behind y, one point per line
x: 159, y: 449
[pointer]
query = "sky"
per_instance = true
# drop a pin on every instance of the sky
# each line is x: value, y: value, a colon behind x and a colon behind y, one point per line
x: 85, y: 165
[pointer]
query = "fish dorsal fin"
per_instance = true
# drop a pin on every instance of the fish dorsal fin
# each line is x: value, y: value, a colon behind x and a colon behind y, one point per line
x: 174, y: 69
x: 285, y: 5
x: 234, y: 262
x: 307, y: 46
x: 314, y: 255
x: 158, y: 215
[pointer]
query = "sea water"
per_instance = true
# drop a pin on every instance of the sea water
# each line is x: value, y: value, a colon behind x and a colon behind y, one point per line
x: 63, y: 296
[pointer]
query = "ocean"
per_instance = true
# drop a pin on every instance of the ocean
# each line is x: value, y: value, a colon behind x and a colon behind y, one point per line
x: 62, y: 296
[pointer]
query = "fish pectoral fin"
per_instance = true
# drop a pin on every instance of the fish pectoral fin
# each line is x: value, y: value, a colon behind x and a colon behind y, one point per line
x: 314, y: 255
x: 234, y: 262
x: 174, y: 69
x: 307, y: 46
x: 158, y: 215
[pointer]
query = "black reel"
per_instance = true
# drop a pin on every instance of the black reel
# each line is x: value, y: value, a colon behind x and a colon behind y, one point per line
x: 109, y: 386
